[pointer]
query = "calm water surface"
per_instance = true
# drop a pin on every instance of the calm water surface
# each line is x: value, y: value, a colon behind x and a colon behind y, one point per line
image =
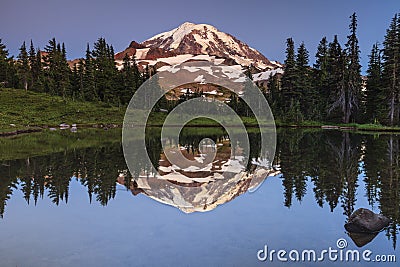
x: 66, y: 199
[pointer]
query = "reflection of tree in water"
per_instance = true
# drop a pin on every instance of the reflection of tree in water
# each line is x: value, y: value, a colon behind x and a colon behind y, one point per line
x: 382, y: 178
x: 291, y: 156
x: 95, y: 168
x: 7, y: 186
x: 346, y: 157
x: 331, y: 160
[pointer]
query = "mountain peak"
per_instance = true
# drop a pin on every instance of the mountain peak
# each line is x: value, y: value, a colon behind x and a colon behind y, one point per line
x: 175, y: 36
x: 204, y: 39
x: 187, y: 24
x: 191, y: 41
x: 190, y: 25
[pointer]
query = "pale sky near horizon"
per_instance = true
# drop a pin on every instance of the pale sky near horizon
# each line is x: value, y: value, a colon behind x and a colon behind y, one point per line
x: 264, y: 25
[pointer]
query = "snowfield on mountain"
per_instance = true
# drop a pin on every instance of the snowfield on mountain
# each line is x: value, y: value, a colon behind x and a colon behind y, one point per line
x: 199, y: 42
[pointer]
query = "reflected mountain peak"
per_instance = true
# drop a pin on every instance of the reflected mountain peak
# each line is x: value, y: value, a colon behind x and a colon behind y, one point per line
x: 206, y: 177
x: 198, y: 196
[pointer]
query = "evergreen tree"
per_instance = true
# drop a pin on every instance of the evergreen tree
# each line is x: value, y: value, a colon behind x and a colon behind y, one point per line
x: 146, y: 73
x: 346, y: 76
x: 81, y: 75
x: 8, y: 69
x: 273, y: 94
x: 32, y: 54
x: 88, y: 84
x: 127, y: 80
x: 234, y: 102
x: 77, y: 80
x: 131, y: 78
x: 321, y: 85
x: 375, y: 99
x: 252, y: 100
x: 288, y: 79
x: 391, y: 69
x: 247, y: 72
x: 37, y: 69
x: 23, y: 67
x: 32, y: 65
x: 50, y: 66
x: 336, y: 80
x: 57, y: 70
x: 105, y: 72
x: 305, y: 92
x: 4, y: 65
x: 65, y: 72
x: 352, y: 103
x: 137, y: 76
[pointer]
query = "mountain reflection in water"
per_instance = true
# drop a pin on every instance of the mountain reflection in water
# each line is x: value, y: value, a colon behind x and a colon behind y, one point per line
x: 213, y: 175
x: 332, y: 163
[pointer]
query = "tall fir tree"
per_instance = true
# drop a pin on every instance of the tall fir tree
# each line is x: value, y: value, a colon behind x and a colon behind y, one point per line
x: 3, y: 64
x: 65, y: 71
x: 50, y: 64
x: 57, y: 70
x: 128, y: 79
x: 336, y: 80
x: 374, y: 96
x: 303, y: 88
x: 23, y: 67
x: 273, y: 94
x: 137, y: 76
x: 8, y: 70
x: 32, y: 65
x: 105, y: 72
x: 320, y: 81
x: 77, y: 78
x: 290, y: 96
x: 146, y: 73
x: 38, y: 69
x: 88, y: 84
x: 352, y: 106
x: 391, y: 69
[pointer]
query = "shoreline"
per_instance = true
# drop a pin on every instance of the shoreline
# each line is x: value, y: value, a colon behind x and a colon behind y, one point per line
x: 360, y: 128
x: 26, y: 112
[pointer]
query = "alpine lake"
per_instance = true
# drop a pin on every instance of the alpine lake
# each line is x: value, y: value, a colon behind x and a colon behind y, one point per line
x: 68, y: 199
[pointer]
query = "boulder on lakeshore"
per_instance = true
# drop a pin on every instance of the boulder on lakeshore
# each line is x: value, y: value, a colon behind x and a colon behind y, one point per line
x: 64, y: 126
x: 366, y: 221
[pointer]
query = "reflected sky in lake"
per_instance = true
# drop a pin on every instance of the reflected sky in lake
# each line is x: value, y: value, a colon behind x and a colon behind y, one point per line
x: 95, y: 221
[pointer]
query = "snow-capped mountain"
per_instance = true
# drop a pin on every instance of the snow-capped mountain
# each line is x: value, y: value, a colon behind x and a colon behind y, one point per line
x: 192, y: 41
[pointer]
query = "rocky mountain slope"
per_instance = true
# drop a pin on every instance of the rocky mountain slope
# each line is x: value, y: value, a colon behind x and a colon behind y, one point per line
x: 194, y: 42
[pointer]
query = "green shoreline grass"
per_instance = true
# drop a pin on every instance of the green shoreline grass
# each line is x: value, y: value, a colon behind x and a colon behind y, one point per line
x: 22, y: 111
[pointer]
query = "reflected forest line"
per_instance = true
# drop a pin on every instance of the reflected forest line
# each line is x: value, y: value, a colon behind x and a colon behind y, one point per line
x: 336, y: 163
x: 333, y: 163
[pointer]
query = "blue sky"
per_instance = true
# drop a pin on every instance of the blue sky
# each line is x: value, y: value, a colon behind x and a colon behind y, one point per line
x: 264, y: 25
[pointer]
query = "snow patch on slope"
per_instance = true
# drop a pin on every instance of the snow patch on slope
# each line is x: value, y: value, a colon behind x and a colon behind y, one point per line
x: 141, y: 53
x: 264, y: 75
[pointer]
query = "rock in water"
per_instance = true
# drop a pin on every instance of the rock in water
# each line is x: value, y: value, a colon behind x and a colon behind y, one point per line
x: 361, y: 239
x: 366, y: 221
